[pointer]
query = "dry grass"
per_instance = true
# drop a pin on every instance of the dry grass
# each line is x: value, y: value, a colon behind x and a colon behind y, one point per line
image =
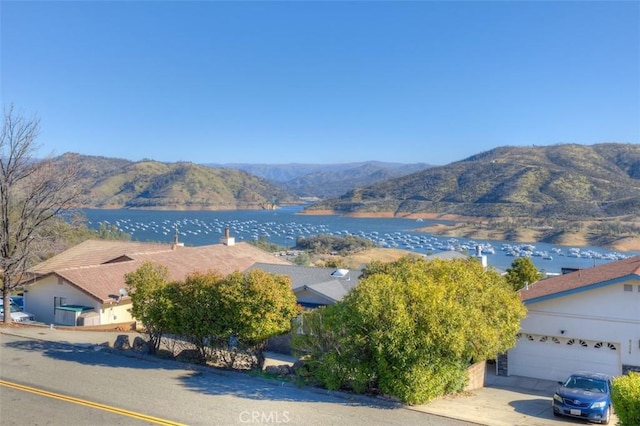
x: 365, y: 257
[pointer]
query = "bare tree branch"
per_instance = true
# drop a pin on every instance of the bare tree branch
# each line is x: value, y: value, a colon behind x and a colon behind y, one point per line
x: 32, y: 193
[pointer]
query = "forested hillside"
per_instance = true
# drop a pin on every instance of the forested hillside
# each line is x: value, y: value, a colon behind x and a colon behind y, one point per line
x: 567, y: 181
x: 148, y: 184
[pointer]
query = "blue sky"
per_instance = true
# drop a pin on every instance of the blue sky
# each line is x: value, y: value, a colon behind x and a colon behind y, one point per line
x: 320, y: 82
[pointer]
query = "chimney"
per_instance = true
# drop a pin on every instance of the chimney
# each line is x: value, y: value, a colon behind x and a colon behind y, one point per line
x: 481, y: 257
x: 227, y: 239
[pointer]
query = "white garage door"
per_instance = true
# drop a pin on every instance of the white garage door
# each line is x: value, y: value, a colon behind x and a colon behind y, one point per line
x: 554, y: 358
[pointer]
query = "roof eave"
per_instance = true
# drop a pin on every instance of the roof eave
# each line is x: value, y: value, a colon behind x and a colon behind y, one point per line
x: 581, y: 289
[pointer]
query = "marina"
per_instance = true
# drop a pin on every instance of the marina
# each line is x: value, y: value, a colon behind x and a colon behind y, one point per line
x: 285, y: 225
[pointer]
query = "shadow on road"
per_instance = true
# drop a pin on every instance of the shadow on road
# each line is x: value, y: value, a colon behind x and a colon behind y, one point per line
x: 540, y: 408
x: 197, y: 378
x: 266, y: 389
x: 89, y: 354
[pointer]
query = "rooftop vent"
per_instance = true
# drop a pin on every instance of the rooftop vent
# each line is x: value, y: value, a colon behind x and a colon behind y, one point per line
x: 340, y: 273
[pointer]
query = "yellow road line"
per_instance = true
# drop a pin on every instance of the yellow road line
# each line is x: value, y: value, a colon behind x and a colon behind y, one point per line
x: 91, y: 404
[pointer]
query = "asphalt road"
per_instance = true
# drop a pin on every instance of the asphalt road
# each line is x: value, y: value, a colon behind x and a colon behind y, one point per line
x: 48, y: 383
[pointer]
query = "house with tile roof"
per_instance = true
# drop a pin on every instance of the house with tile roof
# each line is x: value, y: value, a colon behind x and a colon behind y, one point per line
x: 588, y: 319
x: 85, y: 285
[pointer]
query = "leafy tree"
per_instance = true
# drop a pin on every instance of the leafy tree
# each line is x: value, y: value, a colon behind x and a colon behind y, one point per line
x: 198, y: 313
x: 412, y: 327
x: 151, y: 303
x: 324, y: 243
x: 522, y: 272
x: 303, y: 259
x: 264, y: 244
x: 266, y: 307
x: 32, y: 194
x: 223, y: 316
x: 111, y: 232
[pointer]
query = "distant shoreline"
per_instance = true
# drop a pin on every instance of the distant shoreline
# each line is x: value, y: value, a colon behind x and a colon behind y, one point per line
x: 482, y: 228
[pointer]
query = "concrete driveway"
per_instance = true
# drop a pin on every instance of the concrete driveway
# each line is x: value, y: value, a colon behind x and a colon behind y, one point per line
x: 505, y: 401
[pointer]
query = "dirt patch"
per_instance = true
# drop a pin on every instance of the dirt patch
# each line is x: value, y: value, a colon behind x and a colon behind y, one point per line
x: 357, y: 260
x: 317, y: 213
x: 626, y: 244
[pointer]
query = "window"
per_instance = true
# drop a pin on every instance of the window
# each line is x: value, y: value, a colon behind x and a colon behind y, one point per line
x: 58, y: 301
x: 628, y: 287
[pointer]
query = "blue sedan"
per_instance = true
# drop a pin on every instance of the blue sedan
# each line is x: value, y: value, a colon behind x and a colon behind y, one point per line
x: 584, y: 395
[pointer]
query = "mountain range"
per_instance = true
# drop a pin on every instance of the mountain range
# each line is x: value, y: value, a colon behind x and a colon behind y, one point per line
x: 568, y: 181
x: 326, y: 180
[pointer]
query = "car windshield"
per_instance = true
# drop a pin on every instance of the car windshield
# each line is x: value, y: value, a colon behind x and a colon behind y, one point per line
x: 14, y: 308
x: 586, y: 383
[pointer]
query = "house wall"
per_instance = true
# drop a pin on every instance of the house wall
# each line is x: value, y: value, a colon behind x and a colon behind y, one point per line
x: 306, y: 296
x: 40, y: 296
x: 115, y: 313
x: 607, y: 314
x: 597, y: 328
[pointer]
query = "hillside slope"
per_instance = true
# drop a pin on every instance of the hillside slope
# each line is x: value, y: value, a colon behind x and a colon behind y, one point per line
x: 115, y: 183
x: 567, y: 181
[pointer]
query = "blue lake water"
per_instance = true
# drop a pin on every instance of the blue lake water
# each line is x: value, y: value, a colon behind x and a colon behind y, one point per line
x: 284, y: 225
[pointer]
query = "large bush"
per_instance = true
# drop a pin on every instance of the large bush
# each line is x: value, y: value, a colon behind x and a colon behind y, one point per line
x: 625, y: 395
x: 411, y: 328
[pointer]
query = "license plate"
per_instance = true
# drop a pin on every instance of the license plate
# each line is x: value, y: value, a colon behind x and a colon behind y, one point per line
x: 575, y: 412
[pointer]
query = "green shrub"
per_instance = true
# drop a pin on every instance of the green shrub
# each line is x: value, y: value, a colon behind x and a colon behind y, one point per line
x: 625, y: 395
x: 411, y: 328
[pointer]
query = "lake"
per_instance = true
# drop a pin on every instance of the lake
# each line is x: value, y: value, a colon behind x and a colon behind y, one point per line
x: 284, y: 225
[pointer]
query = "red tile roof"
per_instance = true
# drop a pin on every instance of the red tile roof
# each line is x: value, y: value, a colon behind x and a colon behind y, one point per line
x: 581, y: 280
x: 104, y: 280
x: 95, y: 252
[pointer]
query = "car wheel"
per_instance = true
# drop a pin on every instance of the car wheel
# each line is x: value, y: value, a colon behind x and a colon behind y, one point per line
x: 556, y: 413
x: 607, y: 417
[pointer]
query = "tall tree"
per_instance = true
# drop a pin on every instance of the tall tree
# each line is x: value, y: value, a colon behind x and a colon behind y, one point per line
x: 32, y: 193
x: 522, y: 272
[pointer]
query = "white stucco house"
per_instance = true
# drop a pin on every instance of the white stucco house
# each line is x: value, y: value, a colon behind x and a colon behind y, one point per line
x: 85, y: 285
x: 584, y: 320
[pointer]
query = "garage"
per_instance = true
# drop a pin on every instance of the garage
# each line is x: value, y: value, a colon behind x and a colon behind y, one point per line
x: 554, y: 358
